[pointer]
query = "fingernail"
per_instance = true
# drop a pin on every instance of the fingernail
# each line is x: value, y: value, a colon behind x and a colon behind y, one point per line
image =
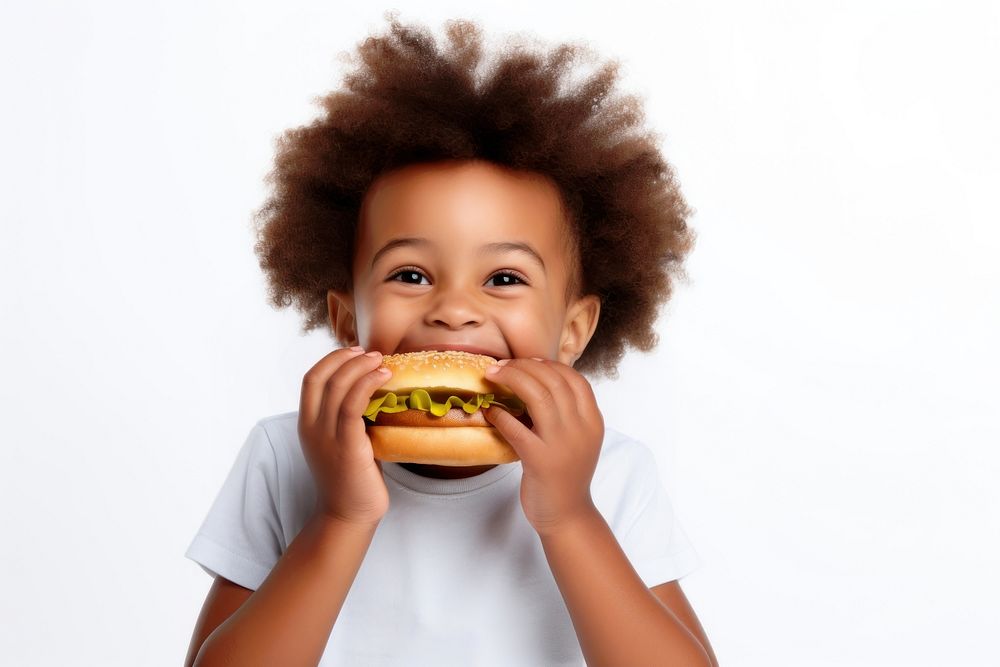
x: 492, y: 369
x: 373, y: 354
x: 538, y: 359
x: 503, y: 362
x: 357, y: 348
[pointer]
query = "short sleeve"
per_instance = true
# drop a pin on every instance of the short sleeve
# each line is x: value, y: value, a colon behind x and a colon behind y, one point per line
x: 655, y: 542
x: 241, y: 538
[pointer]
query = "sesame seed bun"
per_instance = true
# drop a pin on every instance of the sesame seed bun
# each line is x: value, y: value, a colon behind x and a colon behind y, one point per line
x: 446, y: 370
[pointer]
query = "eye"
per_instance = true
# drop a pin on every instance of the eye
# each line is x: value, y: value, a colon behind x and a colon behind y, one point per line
x: 409, y: 275
x: 507, y: 277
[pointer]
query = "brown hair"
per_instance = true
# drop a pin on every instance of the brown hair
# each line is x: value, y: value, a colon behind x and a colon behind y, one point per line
x: 409, y: 101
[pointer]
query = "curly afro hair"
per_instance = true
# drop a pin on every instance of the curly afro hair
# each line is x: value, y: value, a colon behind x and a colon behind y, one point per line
x: 409, y: 101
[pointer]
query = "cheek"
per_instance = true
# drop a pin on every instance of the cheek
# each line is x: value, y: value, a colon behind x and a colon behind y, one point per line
x: 382, y: 323
x: 530, y: 332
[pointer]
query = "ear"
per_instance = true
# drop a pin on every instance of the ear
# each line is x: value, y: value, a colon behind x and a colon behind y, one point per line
x: 581, y: 321
x: 340, y: 306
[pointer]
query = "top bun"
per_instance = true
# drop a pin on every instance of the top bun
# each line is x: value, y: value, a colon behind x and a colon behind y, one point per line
x: 445, y: 370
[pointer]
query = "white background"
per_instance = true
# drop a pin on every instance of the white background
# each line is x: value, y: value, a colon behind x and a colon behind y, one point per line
x: 823, y: 402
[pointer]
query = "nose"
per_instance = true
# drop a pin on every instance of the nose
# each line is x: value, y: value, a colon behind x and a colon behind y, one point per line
x: 453, y: 308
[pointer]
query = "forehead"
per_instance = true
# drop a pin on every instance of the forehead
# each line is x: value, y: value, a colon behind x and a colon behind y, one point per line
x: 462, y: 205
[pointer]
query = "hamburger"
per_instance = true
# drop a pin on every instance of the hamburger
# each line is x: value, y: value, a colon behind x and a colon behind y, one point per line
x: 431, y: 411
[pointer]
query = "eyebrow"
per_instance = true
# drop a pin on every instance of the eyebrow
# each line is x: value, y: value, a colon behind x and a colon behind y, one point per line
x: 489, y: 248
x: 399, y: 243
x: 510, y: 246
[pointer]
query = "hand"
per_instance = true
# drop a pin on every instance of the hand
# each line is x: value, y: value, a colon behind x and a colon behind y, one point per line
x: 559, y: 453
x: 335, y: 393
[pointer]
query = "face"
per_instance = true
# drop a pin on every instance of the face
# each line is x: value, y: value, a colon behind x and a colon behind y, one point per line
x: 464, y: 255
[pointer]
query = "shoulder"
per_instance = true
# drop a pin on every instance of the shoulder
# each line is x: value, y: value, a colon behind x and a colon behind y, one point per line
x: 280, y: 422
x: 282, y: 460
x: 623, y: 455
x: 272, y: 447
x: 626, y: 476
x: 280, y: 431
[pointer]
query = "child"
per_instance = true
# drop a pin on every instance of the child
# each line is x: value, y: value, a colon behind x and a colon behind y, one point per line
x: 447, y: 203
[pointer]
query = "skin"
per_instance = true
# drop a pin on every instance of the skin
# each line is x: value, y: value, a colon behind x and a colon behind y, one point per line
x: 515, y: 307
x: 456, y: 289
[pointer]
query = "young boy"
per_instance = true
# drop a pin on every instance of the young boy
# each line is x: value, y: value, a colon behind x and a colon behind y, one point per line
x: 436, y: 206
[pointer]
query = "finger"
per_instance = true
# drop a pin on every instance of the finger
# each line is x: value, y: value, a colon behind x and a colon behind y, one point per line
x: 561, y: 387
x: 339, y: 385
x: 351, y: 421
x: 583, y: 393
x: 587, y: 409
x: 314, y: 382
x: 544, y: 391
x: 521, y: 438
x: 525, y: 386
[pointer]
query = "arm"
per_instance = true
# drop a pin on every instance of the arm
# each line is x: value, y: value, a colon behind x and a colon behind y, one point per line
x: 223, y: 599
x: 618, y: 620
x: 673, y: 598
x: 288, y: 620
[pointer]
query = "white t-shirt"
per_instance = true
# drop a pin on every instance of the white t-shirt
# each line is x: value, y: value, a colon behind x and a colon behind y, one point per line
x: 455, y: 574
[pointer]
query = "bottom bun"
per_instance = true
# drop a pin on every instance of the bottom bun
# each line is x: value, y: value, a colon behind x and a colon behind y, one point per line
x: 447, y: 446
